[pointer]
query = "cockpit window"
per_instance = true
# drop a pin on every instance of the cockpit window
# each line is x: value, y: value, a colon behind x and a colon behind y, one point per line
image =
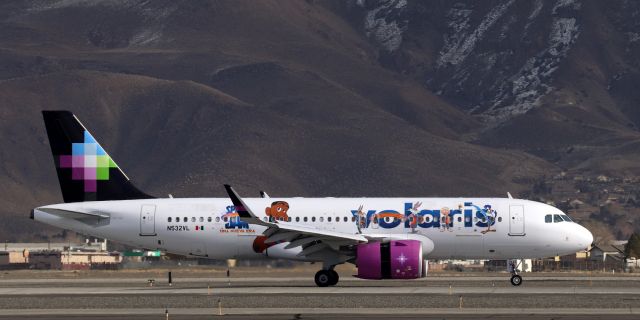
x: 566, y: 218
x: 557, y: 218
x: 548, y: 218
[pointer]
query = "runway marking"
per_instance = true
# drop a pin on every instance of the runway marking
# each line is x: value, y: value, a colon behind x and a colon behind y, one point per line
x: 324, y: 311
x: 370, y: 290
x: 344, y: 278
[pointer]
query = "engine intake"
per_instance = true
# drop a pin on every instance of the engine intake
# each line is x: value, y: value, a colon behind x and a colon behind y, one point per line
x: 396, y: 259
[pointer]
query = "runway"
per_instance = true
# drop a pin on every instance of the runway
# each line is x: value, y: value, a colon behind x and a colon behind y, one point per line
x: 291, y: 295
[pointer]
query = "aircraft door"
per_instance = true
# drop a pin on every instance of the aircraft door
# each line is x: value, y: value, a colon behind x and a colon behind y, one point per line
x: 147, y: 220
x: 516, y: 221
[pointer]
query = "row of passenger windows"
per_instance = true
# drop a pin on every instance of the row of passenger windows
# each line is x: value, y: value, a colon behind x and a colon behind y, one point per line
x: 193, y: 219
x: 313, y: 219
x: 422, y: 219
x: 554, y: 218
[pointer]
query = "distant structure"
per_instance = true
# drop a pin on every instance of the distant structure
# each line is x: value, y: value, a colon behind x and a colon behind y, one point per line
x: 59, y: 256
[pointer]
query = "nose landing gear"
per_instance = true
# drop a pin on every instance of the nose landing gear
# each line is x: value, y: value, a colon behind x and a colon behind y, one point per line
x: 325, y: 278
x: 516, y: 279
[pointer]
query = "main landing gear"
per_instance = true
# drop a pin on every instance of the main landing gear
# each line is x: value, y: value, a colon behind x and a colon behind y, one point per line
x: 325, y: 278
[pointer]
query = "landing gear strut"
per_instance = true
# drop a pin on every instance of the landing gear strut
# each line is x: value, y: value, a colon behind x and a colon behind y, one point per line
x: 516, y: 279
x: 325, y: 278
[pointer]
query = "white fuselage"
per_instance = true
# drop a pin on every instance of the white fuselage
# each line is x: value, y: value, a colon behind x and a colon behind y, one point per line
x: 208, y: 227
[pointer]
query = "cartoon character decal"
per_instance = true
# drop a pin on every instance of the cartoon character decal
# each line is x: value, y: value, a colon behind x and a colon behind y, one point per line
x: 278, y: 211
x: 361, y: 219
x: 490, y: 215
x: 446, y: 219
x: 259, y: 244
x: 413, y: 217
x: 232, y: 219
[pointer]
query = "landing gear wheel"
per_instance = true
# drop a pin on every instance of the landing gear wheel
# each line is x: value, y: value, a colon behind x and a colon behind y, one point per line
x: 516, y: 280
x: 334, y: 277
x: 323, y: 278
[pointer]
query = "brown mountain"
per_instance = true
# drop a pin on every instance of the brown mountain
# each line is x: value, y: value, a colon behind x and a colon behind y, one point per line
x: 319, y: 98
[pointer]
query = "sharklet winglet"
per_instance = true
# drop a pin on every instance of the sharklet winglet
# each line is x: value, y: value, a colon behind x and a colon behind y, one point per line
x: 241, y: 208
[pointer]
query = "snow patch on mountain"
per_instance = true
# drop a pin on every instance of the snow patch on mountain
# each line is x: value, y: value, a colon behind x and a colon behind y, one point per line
x: 460, y: 44
x: 532, y: 81
x: 537, y: 7
x: 571, y: 4
x: 384, y: 22
x: 496, y: 82
x: 153, y: 15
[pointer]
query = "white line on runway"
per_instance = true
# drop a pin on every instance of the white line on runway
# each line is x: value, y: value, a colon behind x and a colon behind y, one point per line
x: 86, y: 291
x: 317, y: 311
x: 344, y: 278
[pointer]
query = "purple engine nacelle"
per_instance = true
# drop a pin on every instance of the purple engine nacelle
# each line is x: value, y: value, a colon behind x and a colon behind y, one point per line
x: 396, y: 259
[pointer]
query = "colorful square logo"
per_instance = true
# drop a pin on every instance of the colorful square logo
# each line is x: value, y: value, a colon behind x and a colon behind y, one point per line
x: 88, y: 162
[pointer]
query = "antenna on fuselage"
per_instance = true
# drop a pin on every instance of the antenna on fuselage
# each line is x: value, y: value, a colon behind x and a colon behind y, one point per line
x: 509, y: 195
x: 263, y: 194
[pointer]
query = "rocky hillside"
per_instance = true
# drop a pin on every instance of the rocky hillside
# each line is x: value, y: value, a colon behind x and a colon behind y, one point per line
x: 322, y: 98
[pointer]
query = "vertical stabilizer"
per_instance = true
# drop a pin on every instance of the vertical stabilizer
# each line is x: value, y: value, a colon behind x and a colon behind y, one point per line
x: 85, y: 171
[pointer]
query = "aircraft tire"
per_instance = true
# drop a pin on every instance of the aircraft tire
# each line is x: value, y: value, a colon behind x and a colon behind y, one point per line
x: 516, y: 280
x: 323, y: 278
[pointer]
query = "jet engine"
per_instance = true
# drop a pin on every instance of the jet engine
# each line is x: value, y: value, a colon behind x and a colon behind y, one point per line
x: 396, y: 259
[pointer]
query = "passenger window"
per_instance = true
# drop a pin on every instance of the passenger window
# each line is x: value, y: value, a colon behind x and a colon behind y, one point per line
x: 328, y: 219
x: 305, y: 219
x: 201, y: 219
x: 177, y: 219
x: 217, y: 219
x: 353, y: 219
x: 313, y: 219
x: 547, y: 218
x: 499, y: 219
x: 209, y: 219
x: 459, y: 219
x: 557, y: 218
x: 297, y: 219
x: 345, y: 219
x: 185, y: 219
x: 226, y: 219
x: 193, y: 219
x: 288, y: 219
x: 321, y: 219
x: 169, y: 219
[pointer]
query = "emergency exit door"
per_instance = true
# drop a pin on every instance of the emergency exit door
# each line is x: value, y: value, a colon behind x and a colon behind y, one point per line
x: 148, y: 220
x: 516, y: 221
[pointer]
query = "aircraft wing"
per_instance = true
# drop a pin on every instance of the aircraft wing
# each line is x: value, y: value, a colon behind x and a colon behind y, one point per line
x: 312, y: 240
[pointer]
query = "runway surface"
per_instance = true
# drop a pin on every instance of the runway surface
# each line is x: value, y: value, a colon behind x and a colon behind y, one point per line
x: 111, y: 295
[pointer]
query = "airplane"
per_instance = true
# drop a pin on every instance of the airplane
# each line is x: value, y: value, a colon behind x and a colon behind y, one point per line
x: 386, y: 238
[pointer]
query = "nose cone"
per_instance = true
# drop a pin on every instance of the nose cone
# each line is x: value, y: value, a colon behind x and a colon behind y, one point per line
x: 584, y: 238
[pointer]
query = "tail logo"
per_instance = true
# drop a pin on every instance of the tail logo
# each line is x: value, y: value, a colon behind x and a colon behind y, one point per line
x: 88, y: 162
